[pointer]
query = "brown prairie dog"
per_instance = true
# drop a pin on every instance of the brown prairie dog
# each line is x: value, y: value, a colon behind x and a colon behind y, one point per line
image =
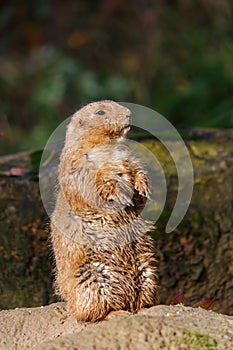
x: 105, y: 259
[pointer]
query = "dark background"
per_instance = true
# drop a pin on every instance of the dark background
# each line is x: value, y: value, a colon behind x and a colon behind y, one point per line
x: 173, y: 56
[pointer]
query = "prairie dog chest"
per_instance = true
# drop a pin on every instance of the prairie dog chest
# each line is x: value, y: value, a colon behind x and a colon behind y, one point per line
x: 113, y: 152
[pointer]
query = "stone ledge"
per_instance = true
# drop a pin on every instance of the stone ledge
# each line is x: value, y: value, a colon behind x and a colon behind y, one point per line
x: 160, y: 327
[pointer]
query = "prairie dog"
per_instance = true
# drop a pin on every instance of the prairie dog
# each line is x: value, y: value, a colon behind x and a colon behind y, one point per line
x: 105, y: 258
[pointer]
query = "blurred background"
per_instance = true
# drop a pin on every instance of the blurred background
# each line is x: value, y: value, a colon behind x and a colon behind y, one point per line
x: 173, y: 56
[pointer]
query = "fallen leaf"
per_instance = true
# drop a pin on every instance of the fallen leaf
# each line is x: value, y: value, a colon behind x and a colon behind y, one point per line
x: 15, y: 172
x: 179, y: 298
x: 205, y: 304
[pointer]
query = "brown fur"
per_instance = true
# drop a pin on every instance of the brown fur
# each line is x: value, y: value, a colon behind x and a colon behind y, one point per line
x: 105, y: 260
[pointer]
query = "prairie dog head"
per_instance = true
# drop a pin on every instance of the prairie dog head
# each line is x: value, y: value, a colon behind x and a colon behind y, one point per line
x: 98, y: 122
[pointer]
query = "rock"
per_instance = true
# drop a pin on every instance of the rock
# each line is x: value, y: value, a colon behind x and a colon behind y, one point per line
x: 198, y: 255
x: 25, y: 254
x: 24, y: 328
x: 160, y: 327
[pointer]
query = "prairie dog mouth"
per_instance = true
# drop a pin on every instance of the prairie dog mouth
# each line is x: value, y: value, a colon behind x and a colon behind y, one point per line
x: 125, y: 130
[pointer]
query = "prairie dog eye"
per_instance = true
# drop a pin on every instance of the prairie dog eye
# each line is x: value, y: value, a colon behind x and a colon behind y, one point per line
x: 100, y: 112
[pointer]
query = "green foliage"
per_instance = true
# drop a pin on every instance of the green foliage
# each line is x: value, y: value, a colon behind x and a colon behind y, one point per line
x: 174, y: 57
x: 56, y: 82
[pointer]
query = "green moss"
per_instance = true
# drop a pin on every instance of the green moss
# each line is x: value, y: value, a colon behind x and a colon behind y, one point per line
x: 201, y: 152
x: 205, y: 149
x: 200, y: 341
